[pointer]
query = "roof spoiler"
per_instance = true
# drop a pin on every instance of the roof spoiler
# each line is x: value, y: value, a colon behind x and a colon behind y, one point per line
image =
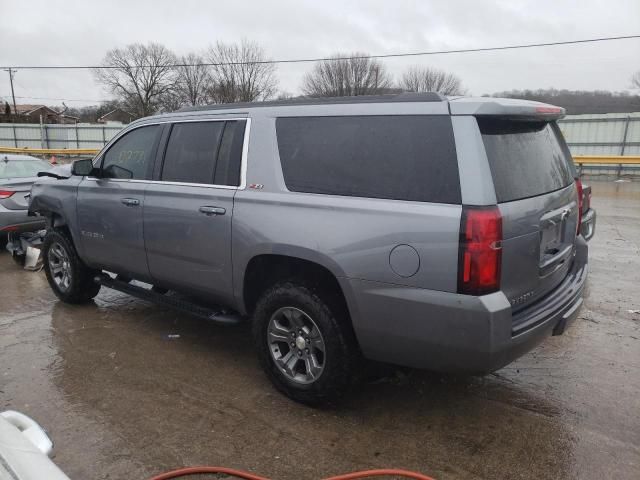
x: 506, y: 108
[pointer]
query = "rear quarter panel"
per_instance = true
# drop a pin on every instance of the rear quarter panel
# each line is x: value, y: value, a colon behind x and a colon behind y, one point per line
x: 352, y: 237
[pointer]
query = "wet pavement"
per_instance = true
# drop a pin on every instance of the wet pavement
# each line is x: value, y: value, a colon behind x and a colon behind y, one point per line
x: 124, y: 400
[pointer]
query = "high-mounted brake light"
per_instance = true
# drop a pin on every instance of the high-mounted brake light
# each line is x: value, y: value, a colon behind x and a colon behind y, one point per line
x: 6, y: 194
x: 548, y: 110
x: 580, y: 203
x: 480, y: 253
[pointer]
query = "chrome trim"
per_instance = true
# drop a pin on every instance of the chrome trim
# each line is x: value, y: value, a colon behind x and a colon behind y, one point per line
x: 243, y: 159
x: 245, y: 156
x: 162, y: 182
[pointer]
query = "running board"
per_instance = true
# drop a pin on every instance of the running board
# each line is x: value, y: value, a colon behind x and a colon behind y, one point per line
x: 213, y: 314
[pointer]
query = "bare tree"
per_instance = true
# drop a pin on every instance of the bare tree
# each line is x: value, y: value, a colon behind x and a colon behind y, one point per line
x: 341, y: 77
x: 139, y: 75
x: 635, y: 80
x: 425, y: 79
x: 240, y: 73
x: 194, y: 81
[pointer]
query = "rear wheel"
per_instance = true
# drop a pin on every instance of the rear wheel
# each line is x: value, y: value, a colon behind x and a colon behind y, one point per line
x: 70, y: 279
x: 305, y: 343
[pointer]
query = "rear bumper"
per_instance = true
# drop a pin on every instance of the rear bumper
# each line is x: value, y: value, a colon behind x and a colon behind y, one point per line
x: 459, y: 333
x: 19, y: 221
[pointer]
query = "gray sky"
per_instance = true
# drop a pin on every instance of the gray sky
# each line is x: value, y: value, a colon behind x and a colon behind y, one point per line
x: 80, y: 32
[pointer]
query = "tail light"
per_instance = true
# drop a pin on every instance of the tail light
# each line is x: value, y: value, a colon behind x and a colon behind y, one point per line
x: 580, y: 203
x: 480, y: 252
x: 6, y: 194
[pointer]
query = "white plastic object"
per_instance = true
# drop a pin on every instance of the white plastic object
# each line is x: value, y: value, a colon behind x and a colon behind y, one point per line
x: 30, y: 429
x: 24, y: 446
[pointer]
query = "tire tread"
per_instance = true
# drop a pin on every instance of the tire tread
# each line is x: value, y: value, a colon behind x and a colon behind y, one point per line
x: 338, y: 376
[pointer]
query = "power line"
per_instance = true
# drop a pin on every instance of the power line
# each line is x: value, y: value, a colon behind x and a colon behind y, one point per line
x: 321, y: 59
x: 59, y: 99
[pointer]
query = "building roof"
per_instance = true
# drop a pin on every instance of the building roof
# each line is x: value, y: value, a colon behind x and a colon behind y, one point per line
x: 27, y: 109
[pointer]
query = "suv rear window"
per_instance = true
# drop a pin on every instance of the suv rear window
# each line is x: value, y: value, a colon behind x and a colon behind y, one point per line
x: 526, y: 158
x: 399, y: 157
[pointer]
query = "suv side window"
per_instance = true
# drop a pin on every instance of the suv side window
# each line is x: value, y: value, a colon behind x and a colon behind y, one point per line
x: 204, y: 152
x: 230, y: 154
x: 131, y: 156
x: 398, y: 157
x: 191, y: 152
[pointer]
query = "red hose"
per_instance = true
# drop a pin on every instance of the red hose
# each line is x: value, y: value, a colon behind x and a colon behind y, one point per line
x: 381, y: 473
x: 183, y: 472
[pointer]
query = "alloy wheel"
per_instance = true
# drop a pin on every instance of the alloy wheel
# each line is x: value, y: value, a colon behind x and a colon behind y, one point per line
x: 59, y: 266
x: 296, y: 345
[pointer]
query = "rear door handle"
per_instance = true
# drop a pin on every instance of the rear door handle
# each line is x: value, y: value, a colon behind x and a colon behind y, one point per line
x: 130, y: 202
x: 209, y: 211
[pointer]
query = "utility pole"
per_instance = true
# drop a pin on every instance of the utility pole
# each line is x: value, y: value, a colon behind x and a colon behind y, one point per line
x: 13, y: 95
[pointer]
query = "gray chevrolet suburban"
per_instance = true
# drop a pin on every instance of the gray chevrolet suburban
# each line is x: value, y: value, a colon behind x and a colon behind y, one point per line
x: 412, y: 229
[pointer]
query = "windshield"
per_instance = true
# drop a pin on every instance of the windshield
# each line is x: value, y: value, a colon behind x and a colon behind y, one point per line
x: 22, y: 168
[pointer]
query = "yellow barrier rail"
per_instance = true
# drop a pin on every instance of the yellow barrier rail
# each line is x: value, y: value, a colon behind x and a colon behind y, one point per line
x: 606, y: 159
x: 578, y: 159
x: 50, y: 151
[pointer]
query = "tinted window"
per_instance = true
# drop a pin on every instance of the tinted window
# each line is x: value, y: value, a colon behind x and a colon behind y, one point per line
x: 526, y: 158
x: 132, y: 155
x: 395, y: 157
x: 230, y: 155
x: 191, y: 152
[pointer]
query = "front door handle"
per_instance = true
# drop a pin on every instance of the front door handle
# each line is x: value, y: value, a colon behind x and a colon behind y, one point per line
x: 209, y: 211
x: 130, y: 202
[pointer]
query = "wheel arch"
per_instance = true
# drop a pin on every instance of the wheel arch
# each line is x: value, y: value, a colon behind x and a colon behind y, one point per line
x: 56, y: 219
x: 265, y: 269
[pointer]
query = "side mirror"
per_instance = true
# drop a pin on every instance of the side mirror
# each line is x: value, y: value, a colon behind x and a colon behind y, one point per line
x: 82, y: 167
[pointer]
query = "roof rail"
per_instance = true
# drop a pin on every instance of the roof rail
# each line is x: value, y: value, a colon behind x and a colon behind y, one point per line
x: 390, y: 98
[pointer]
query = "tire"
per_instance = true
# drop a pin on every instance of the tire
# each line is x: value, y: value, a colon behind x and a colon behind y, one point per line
x: 289, y: 306
x: 70, y: 279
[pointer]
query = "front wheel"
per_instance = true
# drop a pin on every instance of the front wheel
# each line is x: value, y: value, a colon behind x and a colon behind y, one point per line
x: 70, y: 279
x: 305, y: 342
